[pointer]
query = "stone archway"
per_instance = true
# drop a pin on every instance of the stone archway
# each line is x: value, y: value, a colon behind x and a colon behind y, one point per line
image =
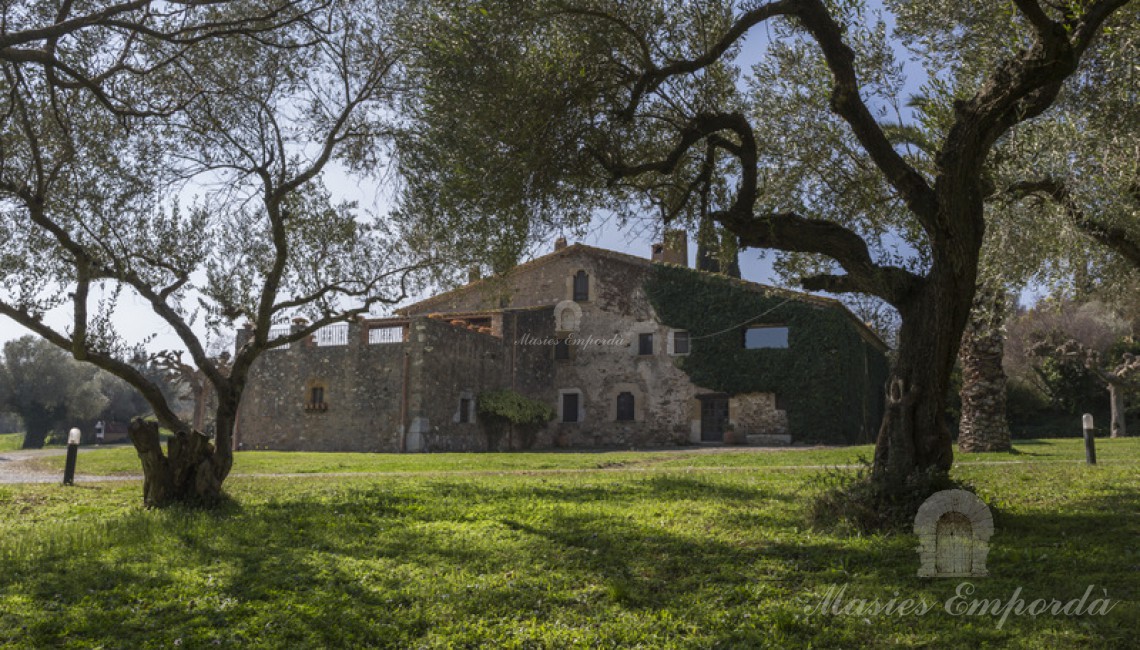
x: 953, y: 528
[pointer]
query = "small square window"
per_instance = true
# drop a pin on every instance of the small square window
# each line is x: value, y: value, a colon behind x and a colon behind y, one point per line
x: 645, y: 344
x: 316, y: 400
x: 781, y: 402
x: 680, y: 342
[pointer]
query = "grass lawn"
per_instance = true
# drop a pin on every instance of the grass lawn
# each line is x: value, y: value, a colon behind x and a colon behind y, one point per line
x: 11, y: 441
x: 122, y: 460
x: 640, y: 549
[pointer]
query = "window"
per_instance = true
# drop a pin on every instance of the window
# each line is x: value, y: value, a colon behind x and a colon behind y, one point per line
x: 625, y: 407
x: 781, y: 402
x: 569, y: 407
x: 766, y: 336
x: 464, y: 410
x: 316, y: 399
x: 680, y: 342
x: 382, y: 335
x: 562, y: 350
x: 645, y: 344
x: 581, y: 287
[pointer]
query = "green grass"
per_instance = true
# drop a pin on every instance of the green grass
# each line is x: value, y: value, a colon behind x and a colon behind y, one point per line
x: 11, y: 441
x: 122, y: 460
x: 652, y: 554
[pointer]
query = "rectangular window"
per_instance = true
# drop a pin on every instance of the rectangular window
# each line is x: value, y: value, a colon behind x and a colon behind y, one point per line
x: 625, y: 404
x: 317, y: 395
x: 464, y: 410
x: 569, y: 407
x: 766, y: 336
x: 562, y: 350
x: 645, y: 344
x: 680, y: 342
x: 781, y: 403
x: 382, y: 335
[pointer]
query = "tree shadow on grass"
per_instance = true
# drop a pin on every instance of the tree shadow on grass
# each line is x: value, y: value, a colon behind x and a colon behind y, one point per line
x: 393, y: 565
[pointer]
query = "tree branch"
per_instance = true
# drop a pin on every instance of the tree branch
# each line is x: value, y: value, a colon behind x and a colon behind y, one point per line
x: 1120, y: 240
x: 847, y: 103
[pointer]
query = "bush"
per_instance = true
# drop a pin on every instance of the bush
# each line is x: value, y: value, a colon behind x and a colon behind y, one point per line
x: 512, y: 407
x: 857, y: 501
x: 506, y: 410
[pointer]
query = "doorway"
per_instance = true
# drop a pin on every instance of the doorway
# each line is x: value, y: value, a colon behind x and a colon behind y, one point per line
x: 714, y: 417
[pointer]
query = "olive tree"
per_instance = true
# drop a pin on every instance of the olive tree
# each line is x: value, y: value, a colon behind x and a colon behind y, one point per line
x: 188, y: 173
x: 640, y: 104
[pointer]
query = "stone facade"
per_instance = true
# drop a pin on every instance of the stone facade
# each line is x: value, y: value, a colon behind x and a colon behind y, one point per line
x: 616, y: 369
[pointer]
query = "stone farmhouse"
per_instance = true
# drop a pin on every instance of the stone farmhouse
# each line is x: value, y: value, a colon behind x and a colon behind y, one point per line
x: 628, y: 352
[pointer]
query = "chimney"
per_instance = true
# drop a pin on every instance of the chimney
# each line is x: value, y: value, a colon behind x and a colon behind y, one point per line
x: 474, y: 273
x: 674, y: 250
x: 559, y: 244
x: 242, y: 336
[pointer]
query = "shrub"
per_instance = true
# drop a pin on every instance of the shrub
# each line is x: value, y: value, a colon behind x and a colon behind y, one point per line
x: 854, y: 500
x: 505, y: 409
x: 517, y: 409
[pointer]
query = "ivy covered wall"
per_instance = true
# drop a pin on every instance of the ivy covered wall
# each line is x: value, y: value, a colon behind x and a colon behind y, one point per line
x: 830, y: 378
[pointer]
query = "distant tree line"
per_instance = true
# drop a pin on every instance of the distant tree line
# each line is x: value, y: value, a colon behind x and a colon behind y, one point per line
x: 45, y: 392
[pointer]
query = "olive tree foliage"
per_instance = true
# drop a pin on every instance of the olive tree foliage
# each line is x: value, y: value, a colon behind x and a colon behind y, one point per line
x: 182, y: 165
x: 641, y: 107
x: 1087, y: 157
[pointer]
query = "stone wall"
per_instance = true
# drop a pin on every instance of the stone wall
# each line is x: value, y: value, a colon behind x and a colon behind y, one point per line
x: 755, y: 415
x: 362, y: 390
x: 541, y: 283
x: 451, y: 363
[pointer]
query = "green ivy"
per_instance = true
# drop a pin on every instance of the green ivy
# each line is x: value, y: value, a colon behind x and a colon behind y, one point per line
x: 830, y: 377
x: 509, y: 406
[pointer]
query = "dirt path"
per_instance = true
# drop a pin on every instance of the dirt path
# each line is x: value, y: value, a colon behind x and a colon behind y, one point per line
x: 15, y: 468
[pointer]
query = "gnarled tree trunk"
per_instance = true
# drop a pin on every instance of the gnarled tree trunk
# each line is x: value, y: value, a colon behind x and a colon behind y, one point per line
x: 192, y: 469
x: 914, y: 435
x: 36, y: 425
x: 983, y: 425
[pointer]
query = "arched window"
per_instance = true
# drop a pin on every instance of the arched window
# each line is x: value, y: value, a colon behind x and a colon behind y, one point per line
x: 581, y: 286
x: 625, y: 407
